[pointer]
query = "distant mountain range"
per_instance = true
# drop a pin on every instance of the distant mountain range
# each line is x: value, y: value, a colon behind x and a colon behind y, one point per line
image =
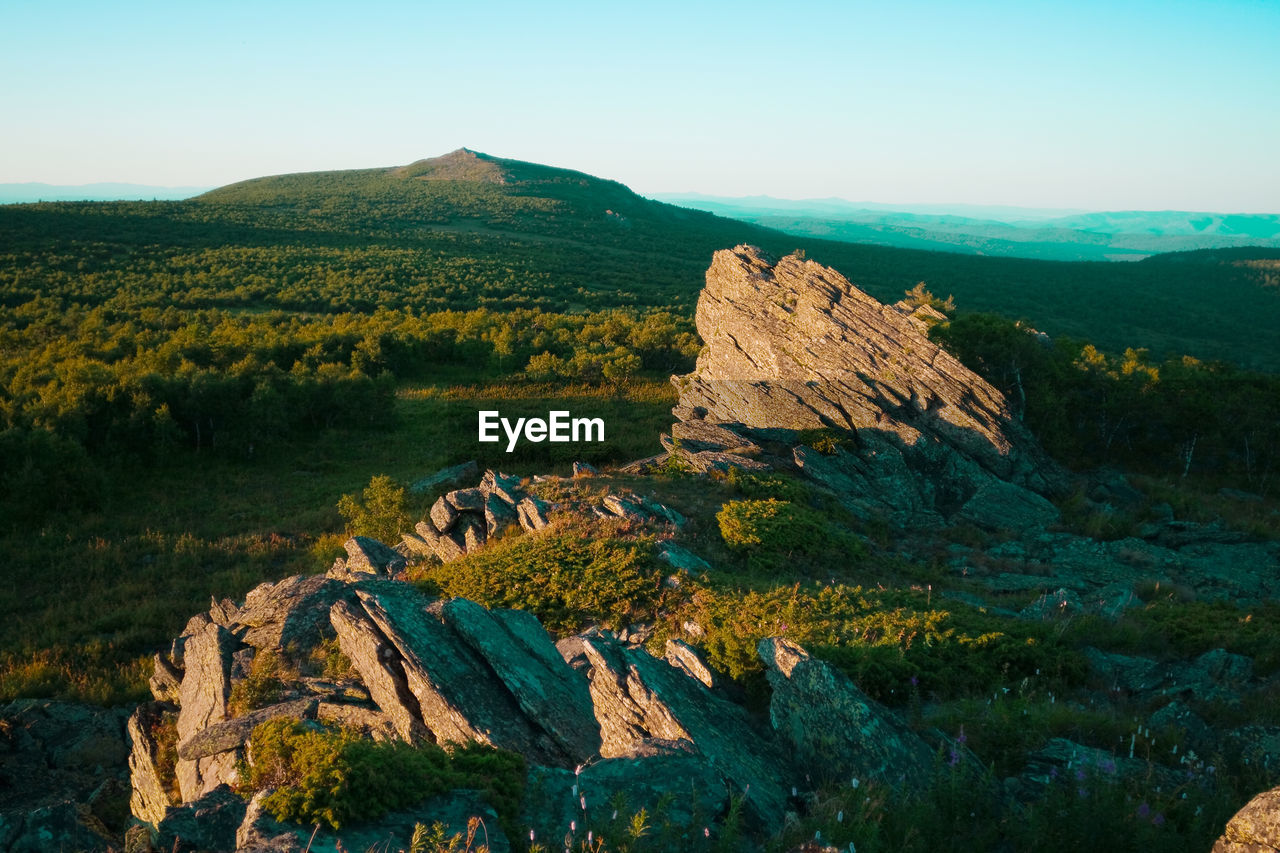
x: 1059, y: 235
x: 34, y: 192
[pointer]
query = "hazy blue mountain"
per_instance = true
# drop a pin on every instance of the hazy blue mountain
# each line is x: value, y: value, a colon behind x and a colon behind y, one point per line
x: 33, y: 192
x: 1047, y: 234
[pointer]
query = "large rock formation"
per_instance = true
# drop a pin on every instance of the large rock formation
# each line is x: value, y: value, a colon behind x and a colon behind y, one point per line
x: 445, y: 671
x: 792, y: 346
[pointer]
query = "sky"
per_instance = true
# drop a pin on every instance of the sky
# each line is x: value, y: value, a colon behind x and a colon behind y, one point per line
x: 1088, y: 105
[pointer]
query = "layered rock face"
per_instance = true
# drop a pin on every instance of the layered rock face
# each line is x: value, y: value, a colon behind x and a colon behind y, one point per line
x: 594, y: 715
x: 792, y: 346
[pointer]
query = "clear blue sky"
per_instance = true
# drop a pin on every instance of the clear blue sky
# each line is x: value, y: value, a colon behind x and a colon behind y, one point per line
x: 1101, y: 105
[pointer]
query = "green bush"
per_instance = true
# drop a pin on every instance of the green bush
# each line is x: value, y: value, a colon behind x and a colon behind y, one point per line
x: 566, y: 581
x: 382, y: 513
x: 769, y: 524
x: 336, y: 778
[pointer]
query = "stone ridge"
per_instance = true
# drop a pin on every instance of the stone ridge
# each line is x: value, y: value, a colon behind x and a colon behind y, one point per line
x: 793, y: 344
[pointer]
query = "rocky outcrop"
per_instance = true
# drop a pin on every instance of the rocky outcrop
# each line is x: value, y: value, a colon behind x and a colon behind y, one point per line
x: 465, y: 519
x: 792, y: 347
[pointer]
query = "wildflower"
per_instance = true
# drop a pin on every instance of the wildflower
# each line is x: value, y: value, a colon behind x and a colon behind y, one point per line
x: 583, y: 801
x: 615, y: 815
x: 706, y: 832
x: 855, y: 782
x: 531, y: 835
x: 840, y: 816
x: 1144, y: 810
x: 1158, y: 820
x: 914, y: 681
x: 954, y: 760
x: 575, y: 790
x: 591, y: 836
x: 1079, y: 775
x: 961, y: 738
x: 573, y: 826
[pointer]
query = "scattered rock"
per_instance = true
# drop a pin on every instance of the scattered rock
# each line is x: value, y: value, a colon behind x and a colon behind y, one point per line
x: 584, y: 469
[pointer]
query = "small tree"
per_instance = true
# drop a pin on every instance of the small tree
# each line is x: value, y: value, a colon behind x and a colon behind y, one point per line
x: 382, y: 513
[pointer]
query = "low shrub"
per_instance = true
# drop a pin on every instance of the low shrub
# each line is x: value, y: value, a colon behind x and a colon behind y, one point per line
x: 569, y: 583
x: 336, y: 778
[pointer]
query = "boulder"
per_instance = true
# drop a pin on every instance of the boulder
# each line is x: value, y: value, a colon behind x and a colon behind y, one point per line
x: 446, y: 546
x: 1255, y: 828
x: 443, y: 514
x: 369, y: 556
x: 290, y: 613
x: 499, y: 517
x: 681, y: 558
x: 833, y: 726
x: 209, y: 823
x: 532, y: 513
x: 466, y: 500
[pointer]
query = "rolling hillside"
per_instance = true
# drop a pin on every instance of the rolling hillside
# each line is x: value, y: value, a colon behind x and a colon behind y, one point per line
x: 467, y: 230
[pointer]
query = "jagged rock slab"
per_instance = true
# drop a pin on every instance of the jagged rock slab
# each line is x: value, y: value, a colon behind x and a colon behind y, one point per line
x: 794, y: 346
x: 686, y: 658
x: 639, y: 698
x: 532, y: 513
x: 499, y: 516
x: 292, y: 612
x: 380, y: 668
x: 834, y: 726
x: 367, y: 556
x: 458, y: 696
x: 149, y: 800
x: 503, y: 486
x: 206, y: 686
x: 519, y: 651
x: 234, y: 733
